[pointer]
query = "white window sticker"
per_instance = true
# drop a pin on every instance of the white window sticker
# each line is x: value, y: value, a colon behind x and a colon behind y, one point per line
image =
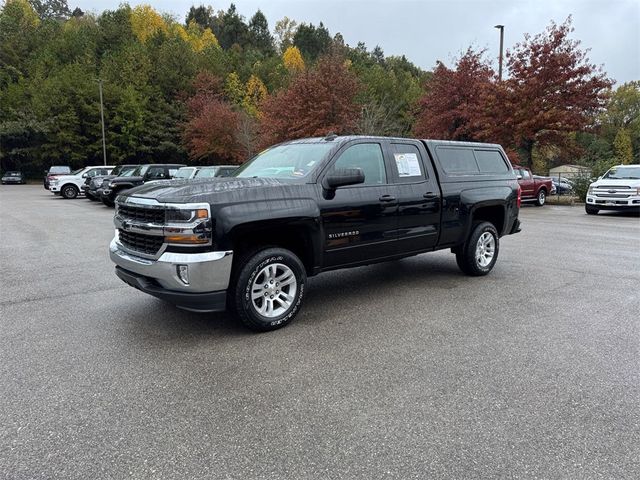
x: 408, y: 164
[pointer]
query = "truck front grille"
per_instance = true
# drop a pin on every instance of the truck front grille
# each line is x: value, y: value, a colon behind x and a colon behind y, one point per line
x: 142, y: 214
x: 148, y: 244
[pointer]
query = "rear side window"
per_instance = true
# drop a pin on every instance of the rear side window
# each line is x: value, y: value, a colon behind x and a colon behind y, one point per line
x: 490, y: 161
x: 457, y: 161
x: 407, y: 162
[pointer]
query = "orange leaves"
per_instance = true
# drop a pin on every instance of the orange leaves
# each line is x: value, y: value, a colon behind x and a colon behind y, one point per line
x: 318, y: 101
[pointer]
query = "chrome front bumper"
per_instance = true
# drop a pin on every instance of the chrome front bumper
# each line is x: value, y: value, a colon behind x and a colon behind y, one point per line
x: 207, y: 272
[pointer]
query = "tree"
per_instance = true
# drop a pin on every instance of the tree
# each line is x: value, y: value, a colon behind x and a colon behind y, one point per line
x: 146, y: 22
x: 292, y: 59
x: 259, y: 34
x: 234, y: 90
x: 449, y: 108
x: 18, y: 24
x: 211, y: 132
x: 231, y: 28
x: 312, y: 41
x: 285, y: 30
x: 552, y: 89
x: 623, y: 147
x: 256, y: 93
x: 51, y: 9
x: 202, y: 15
x: 318, y: 101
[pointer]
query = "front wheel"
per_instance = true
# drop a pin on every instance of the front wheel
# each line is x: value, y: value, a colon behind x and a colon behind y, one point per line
x: 591, y: 210
x: 268, y: 289
x: 479, y: 254
x: 69, y: 191
x: 541, y: 198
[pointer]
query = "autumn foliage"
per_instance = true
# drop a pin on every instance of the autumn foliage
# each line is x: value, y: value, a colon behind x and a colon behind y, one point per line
x: 454, y: 99
x: 552, y: 90
x: 318, y: 101
x: 212, y: 130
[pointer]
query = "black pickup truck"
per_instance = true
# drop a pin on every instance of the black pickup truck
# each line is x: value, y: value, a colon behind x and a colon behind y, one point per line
x: 247, y: 243
x: 142, y: 174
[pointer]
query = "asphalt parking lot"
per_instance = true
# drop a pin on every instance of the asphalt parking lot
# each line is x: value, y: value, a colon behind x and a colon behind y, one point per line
x: 399, y: 370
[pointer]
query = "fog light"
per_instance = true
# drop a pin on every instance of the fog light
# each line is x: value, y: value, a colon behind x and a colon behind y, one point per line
x: 183, y: 273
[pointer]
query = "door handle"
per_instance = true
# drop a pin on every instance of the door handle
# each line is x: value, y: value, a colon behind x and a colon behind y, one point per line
x: 429, y: 196
x: 387, y: 198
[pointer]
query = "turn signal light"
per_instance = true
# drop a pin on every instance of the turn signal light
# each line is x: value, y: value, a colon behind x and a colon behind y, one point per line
x: 188, y: 239
x: 202, y: 213
x: 519, y: 201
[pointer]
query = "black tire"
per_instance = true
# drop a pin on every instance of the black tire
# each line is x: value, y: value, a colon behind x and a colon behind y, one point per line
x: 541, y: 198
x: 466, y: 255
x: 69, y: 191
x: 591, y: 210
x: 249, y: 269
x: 108, y: 202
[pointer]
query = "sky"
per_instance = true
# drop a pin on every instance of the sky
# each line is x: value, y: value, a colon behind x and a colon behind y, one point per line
x: 430, y: 30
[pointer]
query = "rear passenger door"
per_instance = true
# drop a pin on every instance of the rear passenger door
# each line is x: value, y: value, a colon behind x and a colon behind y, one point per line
x: 418, y: 196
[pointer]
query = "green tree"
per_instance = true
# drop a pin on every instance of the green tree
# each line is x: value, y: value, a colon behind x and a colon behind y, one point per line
x: 51, y: 9
x: 202, y: 15
x: 622, y: 147
x: 311, y: 40
x: 259, y: 34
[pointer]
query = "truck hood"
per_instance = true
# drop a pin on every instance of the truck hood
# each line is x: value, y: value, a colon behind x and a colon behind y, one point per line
x: 623, y: 182
x: 182, y: 191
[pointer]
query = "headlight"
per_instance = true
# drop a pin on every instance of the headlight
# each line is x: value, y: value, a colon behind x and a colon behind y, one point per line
x: 190, y: 225
x: 112, y: 185
x: 590, y: 191
x: 187, y: 215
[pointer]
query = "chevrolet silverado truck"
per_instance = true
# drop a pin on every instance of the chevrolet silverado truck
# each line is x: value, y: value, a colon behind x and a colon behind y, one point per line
x: 534, y: 188
x: 141, y: 175
x: 618, y: 189
x: 247, y: 243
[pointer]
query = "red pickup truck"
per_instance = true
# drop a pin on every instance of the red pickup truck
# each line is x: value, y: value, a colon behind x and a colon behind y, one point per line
x: 533, y: 189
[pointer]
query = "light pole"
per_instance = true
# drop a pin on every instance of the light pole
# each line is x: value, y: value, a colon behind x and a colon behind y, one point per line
x: 104, y: 143
x: 501, y: 28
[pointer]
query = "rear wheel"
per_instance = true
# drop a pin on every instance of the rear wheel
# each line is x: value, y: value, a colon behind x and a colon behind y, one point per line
x: 541, y: 198
x: 268, y: 288
x: 479, y: 254
x: 591, y: 210
x: 69, y: 191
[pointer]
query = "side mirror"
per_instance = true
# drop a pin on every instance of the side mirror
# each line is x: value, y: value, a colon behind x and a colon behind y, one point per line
x: 84, y: 175
x: 341, y: 177
x: 518, y: 177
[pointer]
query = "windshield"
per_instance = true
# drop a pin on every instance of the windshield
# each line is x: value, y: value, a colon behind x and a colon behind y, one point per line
x: 126, y: 171
x: 626, y: 173
x: 206, y: 172
x: 59, y: 170
x: 292, y: 161
x: 184, y: 172
x: 139, y: 171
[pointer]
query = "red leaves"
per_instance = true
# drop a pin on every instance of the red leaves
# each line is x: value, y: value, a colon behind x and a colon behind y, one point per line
x: 212, y: 130
x: 318, y: 101
x: 551, y: 90
x: 454, y: 97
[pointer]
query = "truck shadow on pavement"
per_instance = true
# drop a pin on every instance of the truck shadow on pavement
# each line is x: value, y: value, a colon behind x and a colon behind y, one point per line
x: 332, y: 295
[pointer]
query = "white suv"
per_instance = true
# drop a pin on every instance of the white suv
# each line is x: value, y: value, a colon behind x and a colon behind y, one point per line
x: 70, y: 186
x: 618, y: 189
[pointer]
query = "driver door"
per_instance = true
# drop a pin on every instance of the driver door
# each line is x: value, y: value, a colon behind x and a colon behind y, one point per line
x: 360, y: 221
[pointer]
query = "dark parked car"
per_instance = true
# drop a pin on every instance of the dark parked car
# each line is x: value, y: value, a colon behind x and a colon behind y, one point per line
x: 13, y: 177
x: 92, y: 187
x: 54, y: 172
x: 142, y: 174
x: 562, y: 186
